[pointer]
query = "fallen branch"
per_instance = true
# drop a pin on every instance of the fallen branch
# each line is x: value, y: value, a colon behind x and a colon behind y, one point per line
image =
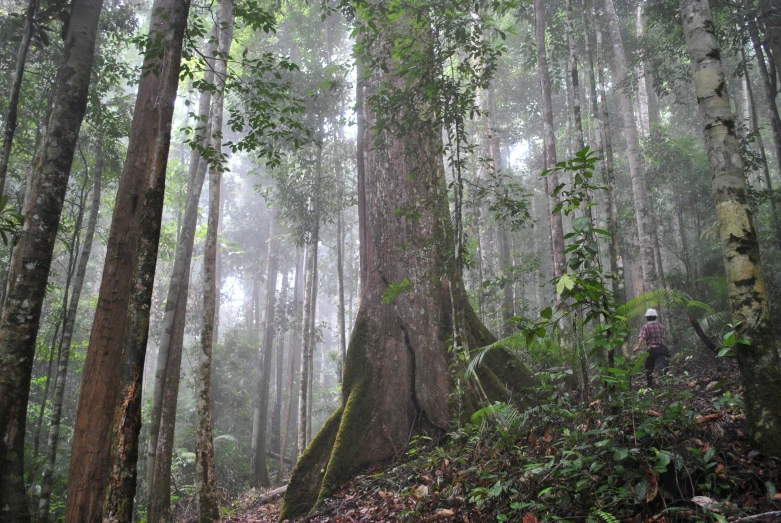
x: 274, y: 455
x: 703, y: 337
x: 271, y: 495
x: 758, y: 516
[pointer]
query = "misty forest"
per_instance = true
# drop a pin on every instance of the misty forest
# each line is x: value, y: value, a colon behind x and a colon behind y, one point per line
x: 390, y: 260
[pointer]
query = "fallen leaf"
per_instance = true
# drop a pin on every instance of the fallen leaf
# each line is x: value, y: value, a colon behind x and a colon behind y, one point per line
x: 442, y: 512
x: 421, y: 491
x: 651, y: 492
x: 548, y: 435
x: 653, y: 413
x: 529, y: 518
x: 777, y: 496
x: 385, y: 495
x: 707, y: 503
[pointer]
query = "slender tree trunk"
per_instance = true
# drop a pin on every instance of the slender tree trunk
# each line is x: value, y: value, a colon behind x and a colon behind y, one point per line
x: 276, y: 412
x: 616, y: 257
x: 580, y: 143
x: 32, y: 257
x: 642, y: 211
x: 342, y: 335
x: 643, y: 113
x: 127, y: 417
x: 552, y: 180
x: 291, y: 368
x: 360, y: 110
x: 305, y: 376
x: 758, y: 358
x: 205, y: 480
x: 181, y: 268
x: 47, y: 479
x: 91, y: 453
x: 770, y: 93
x: 16, y: 88
x: 312, y: 336
x: 265, y: 355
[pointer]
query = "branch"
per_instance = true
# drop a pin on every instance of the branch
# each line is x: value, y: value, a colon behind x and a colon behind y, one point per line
x: 758, y: 516
x: 271, y: 495
x: 703, y: 337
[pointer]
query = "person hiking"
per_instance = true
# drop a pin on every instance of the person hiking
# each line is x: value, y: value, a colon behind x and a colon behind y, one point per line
x: 653, y: 335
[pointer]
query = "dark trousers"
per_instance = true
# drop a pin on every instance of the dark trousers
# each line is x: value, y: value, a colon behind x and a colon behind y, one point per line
x: 656, y: 354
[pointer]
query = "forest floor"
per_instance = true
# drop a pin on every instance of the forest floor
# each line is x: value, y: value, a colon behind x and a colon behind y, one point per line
x: 677, y: 453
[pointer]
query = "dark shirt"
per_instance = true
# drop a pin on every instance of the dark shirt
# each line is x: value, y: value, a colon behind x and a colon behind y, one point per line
x: 653, y: 332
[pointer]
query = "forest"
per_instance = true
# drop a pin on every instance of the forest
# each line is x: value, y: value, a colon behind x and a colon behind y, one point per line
x: 390, y: 260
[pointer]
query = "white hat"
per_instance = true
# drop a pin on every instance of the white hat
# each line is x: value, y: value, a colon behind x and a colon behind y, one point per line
x: 650, y: 312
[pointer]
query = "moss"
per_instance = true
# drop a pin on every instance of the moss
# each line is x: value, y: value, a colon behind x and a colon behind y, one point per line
x: 304, y: 485
x: 329, y: 459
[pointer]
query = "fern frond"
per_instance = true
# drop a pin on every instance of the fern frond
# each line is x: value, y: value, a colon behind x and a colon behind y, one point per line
x: 636, y: 306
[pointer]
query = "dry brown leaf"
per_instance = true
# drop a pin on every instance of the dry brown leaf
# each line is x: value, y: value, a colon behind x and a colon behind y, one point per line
x: 529, y: 518
x: 653, y: 413
x: 777, y: 495
x: 651, y: 492
x: 442, y: 512
x: 548, y: 435
x: 385, y: 495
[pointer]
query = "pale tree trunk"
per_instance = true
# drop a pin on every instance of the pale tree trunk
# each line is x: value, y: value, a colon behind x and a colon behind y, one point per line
x: 360, y: 139
x: 16, y: 88
x: 552, y: 180
x: 292, y: 349
x: 340, y: 313
x: 205, y: 479
x: 642, y: 211
x: 279, y: 364
x: 609, y: 177
x: 91, y: 452
x: 643, y: 114
x: 397, y: 373
x: 47, y: 479
x: 29, y: 268
x: 127, y: 416
x: 312, y: 342
x: 181, y: 268
x: 306, y: 352
x: 265, y: 355
x: 580, y: 143
x: 758, y: 359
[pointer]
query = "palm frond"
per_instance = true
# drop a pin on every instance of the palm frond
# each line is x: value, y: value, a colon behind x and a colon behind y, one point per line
x: 636, y: 307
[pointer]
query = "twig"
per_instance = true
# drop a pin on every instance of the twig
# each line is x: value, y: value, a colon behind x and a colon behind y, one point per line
x: 757, y: 516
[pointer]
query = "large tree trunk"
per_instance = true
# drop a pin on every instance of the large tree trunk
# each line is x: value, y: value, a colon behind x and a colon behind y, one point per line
x: 127, y: 417
x: 91, y: 454
x: 12, y: 111
x: 47, y: 479
x: 552, y: 180
x: 205, y: 480
x: 29, y: 269
x: 642, y: 211
x: 758, y: 359
x: 181, y: 268
x: 397, y: 373
x: 265, y: 354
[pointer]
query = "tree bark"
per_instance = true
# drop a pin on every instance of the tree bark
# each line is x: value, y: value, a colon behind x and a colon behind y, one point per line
x: 205, y: 480
x: 758, y: 358
x: 770, y: 93
x: 47, y: 479
x: 127, y: 417
x: 340, y: 313
x: 91, y: 452
x: 397, y: 378
x: 32, y: 256
x: 265, y: 355
x: 291, y: 367
x: 580, y: 143
x: 16, y: 88
x: 552, y: 180
x: 642, y: 211
x: 279, y: 364
x: 181, y: 267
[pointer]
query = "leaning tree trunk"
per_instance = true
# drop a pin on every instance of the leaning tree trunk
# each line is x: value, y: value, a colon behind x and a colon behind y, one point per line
x: 47, y: 479
x: 181, y: 268
x: 91, y: 454
x: 16, y: 88
x: 758, y: 359
x: 29, y: 269
x: 260, y: 420
x: 205, y: 479
x: 552, y: 180
x: 642, y: 211
x: 397, y: 379
x: 127, y: 417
